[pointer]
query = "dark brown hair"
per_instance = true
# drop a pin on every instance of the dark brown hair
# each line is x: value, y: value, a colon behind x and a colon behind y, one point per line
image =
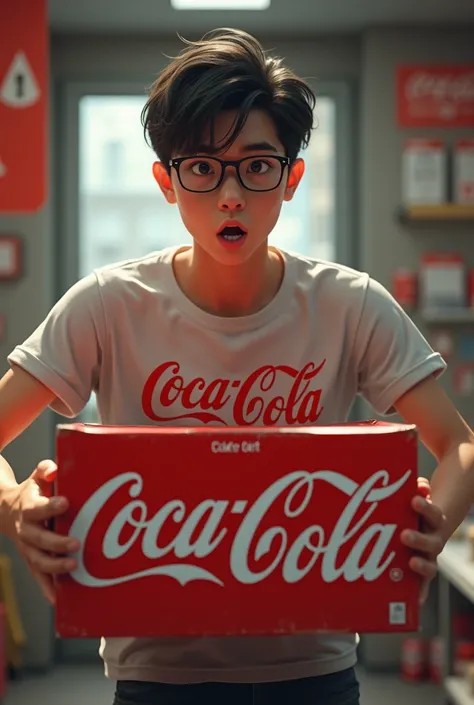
x: 226, y: 70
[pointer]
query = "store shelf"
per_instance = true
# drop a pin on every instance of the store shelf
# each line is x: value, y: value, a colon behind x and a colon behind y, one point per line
x: 456, y: 566
x: 446, y: 212
x: 457, y: 691
x: 447, y: 315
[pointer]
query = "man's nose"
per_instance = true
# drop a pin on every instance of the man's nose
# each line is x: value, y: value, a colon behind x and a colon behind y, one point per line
x: 231, y: 192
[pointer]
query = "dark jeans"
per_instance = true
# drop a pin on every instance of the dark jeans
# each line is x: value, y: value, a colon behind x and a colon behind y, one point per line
x: 335, y: 689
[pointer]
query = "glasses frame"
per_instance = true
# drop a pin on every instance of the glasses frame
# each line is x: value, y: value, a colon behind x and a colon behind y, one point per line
x: 284, y: 161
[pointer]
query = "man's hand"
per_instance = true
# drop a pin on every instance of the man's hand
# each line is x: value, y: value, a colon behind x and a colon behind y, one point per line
x: 429, y: 540
x: 30, y: 509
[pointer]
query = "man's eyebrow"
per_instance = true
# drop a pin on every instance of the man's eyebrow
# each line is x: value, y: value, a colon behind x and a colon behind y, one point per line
x: 252, y: 147
x: 259, y: 146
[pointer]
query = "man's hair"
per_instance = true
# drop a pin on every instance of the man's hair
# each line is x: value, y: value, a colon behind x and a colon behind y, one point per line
x: 226, y: 70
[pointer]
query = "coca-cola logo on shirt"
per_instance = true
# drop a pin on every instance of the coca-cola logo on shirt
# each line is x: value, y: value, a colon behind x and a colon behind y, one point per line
x: 256, y: 400
x: 177, y: 539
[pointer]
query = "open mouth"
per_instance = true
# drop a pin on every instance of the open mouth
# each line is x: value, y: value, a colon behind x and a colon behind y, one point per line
x: 232, y: 233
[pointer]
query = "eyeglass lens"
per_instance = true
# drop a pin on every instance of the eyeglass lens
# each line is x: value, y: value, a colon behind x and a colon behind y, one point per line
x: 204, y: 173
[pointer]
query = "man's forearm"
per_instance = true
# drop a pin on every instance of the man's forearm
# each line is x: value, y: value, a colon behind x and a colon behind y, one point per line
x: 7, y: 482
x: 452, y: 486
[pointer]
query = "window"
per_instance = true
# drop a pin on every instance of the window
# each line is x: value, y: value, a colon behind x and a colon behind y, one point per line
x: 112, y: 163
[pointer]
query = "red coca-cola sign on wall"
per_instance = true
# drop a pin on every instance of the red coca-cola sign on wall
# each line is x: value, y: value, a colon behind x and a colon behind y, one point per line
x: 211, y: 531
x: 435, y: 96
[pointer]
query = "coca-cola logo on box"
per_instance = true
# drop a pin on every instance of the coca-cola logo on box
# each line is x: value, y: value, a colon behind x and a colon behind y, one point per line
x: 435, y: 96
x: 261, y: 531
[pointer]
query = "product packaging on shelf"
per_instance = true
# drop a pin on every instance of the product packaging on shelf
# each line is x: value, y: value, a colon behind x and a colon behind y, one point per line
x: 463, y: 172
x: 424, y: 171
x: 442, y: 280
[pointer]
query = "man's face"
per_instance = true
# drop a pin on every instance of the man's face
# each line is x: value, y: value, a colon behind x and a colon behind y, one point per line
x: 255, y: 213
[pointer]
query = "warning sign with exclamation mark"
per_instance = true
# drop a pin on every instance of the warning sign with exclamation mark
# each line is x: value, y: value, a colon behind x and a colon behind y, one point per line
x: 19, y: 88
x: 23, y: 106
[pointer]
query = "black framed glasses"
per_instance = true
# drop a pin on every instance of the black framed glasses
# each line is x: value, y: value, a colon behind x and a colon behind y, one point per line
x: 262, y: 172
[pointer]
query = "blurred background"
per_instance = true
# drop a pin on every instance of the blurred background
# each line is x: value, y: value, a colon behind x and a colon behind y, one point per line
x: 389, y: 189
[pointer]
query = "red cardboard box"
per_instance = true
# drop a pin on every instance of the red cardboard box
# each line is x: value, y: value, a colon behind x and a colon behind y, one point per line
x: 209, y: 531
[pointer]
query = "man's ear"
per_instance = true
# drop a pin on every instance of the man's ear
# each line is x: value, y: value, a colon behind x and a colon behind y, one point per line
x: 294, y: 177
x: 163, y: 180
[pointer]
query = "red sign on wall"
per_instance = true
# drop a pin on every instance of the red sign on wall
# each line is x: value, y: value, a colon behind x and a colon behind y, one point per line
x: 435, y: 96
x: 23, y: 105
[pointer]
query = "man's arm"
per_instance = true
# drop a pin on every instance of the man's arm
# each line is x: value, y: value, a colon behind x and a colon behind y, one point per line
x: 448, y: 437
x: 24, y: 510
x: 22, y: 399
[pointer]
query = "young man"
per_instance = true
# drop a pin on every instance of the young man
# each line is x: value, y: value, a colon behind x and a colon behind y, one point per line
x: 151, y: 336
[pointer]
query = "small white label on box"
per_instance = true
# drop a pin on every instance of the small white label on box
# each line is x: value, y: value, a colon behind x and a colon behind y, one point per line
x: 442, y: 281
x: 424, y: 172
x: 397, y: 613
x: 464, y: 172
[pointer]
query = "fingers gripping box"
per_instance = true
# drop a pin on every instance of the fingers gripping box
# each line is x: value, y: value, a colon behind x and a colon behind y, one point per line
x: 209, y: 531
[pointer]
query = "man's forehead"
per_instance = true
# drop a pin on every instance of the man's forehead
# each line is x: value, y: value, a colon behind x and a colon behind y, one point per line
x: 258, y: 135
x: 259, y: 146
x: 257, y: 132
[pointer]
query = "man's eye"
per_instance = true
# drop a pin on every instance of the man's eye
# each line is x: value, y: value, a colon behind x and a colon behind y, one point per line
x: 201, y: 168
x: 258, y: 167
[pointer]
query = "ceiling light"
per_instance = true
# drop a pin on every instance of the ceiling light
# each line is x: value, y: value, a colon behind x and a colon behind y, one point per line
x: 220, y: 4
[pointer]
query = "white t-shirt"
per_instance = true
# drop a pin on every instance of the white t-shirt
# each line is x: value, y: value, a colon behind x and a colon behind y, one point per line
x: 128, y: 333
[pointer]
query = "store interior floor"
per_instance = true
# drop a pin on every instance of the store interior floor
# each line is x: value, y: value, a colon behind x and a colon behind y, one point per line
x: 78, y: 685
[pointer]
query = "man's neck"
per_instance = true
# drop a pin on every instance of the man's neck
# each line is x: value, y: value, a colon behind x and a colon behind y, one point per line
x: 234, y: 290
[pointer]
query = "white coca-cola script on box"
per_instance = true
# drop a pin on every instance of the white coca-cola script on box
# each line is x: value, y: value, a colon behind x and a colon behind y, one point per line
x: 237, y: 531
